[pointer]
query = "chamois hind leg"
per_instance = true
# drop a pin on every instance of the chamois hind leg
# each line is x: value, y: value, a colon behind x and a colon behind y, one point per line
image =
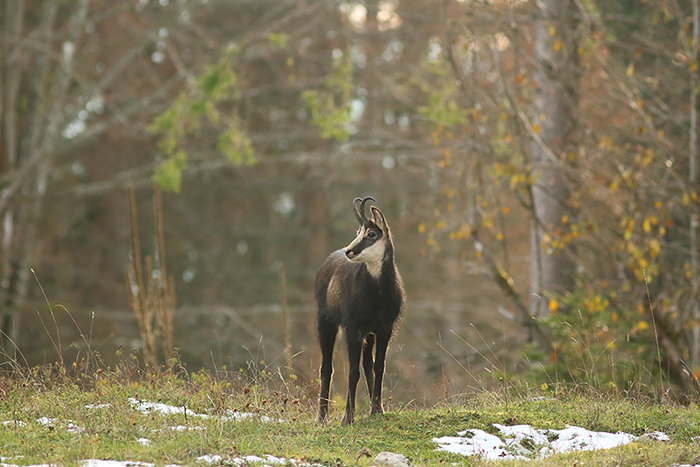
x: 368, y: 363
x: 382, y: 344
x: 327, y: 333
x: 354, y: 351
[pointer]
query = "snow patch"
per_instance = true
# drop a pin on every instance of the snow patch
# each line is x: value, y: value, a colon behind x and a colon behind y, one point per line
x: 147, y: 408
x: 51, y: 424
x: 524, y: 442
x: 16, y: 423
x: 97, y: 406
x: 267, y: 461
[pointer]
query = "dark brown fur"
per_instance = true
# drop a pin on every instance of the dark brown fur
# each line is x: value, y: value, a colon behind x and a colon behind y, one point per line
x: 365, y: 305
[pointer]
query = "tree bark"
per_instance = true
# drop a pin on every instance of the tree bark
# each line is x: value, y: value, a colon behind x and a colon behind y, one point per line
x: 554, y: 121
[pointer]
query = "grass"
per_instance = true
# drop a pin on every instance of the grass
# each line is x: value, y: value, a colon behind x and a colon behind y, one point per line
x: 98, y: 402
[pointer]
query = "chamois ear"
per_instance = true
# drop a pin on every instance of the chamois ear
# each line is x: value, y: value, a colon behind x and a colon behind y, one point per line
x: 378, y: 218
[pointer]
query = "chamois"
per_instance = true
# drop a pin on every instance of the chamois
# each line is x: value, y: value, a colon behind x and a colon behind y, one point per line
x: 358, y: 288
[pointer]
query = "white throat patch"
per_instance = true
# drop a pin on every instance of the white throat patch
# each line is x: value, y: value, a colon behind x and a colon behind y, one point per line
x: 372, y: 257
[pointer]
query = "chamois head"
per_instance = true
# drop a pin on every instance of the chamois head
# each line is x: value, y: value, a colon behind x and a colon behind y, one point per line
x: 372, y: 239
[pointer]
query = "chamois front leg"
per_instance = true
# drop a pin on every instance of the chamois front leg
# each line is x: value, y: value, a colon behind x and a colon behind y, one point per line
x: 354, y: 350
x: 326, y: 334
x: 368, y: 363
x: 382, y: 344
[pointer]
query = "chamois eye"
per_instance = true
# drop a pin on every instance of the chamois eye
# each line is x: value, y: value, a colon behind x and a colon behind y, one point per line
x: 372, y: 234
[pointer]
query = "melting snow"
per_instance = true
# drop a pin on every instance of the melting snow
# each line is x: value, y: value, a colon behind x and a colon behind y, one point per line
x: 149, y: 407
x: 51, y: 423
x: 519, y: 441
x: 267, y: 461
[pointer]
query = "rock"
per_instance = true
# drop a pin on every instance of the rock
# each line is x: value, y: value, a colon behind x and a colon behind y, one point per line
x: 390, y: 459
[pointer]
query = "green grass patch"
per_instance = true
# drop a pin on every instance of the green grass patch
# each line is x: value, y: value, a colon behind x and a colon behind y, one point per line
x: 54, y: 415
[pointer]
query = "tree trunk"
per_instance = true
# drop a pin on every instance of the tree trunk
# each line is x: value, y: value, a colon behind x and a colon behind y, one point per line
x: 13, y: 22
x: 553, y: 122
x: 694, y: 314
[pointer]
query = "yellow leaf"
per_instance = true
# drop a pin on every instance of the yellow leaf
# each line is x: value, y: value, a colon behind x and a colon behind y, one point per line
x: 630, y: 69
x: 499, y: 236
x: 647, y: 225
x: 544, y: 386
x: 552, y: 31
x: 536, y: 128
x: 553, y: 306
x: 514, y: 181
x: 557, y: 46
x: 421, y: 228
x: 564, y: 219
x: 642, y: 325
x: 654, y: 245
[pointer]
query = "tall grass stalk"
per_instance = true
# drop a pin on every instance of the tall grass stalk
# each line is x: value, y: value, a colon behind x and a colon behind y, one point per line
x: 152, y: 292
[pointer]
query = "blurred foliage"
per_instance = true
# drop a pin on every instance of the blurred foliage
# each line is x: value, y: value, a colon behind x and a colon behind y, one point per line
x: 628, y: 223
x: 445, y: 139
x: 330, y: 107
x: 200, y: 101
x: 601, y: 340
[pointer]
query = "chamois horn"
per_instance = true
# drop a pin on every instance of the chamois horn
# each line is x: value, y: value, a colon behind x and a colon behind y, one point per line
x: 360, y: 212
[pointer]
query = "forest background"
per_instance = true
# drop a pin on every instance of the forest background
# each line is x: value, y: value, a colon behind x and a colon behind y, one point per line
x: 536, y: 160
